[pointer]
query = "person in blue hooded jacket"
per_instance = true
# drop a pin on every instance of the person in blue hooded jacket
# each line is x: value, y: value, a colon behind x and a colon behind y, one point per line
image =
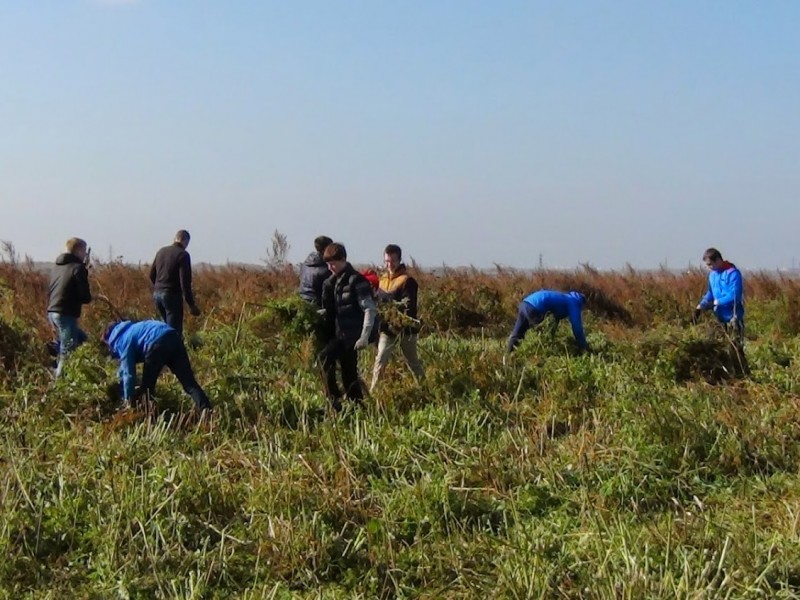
x: 725, y: 296
x: 157, y: 345
x: 725, y: 293
x: 562, y: 305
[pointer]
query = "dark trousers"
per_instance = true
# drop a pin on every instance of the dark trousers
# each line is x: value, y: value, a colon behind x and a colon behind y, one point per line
x: 526, y: 318
x: 735, y: 333
x: 169, y: 351
x: 337, y: 351
x: 170, y: 306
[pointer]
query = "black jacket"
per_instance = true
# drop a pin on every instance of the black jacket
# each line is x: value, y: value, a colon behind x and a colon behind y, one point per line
x: 69, y: 286
x: 340, y: 298
x: 171, y: 271
x: 313, y: 273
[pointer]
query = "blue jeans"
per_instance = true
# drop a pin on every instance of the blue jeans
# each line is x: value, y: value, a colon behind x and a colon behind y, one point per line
x: 170, y: 307
x: 528, y: 317
x: 70, y: 336
x: 169, y: 351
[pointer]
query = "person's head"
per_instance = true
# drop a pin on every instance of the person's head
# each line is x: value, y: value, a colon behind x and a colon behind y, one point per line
x: 336, y: 257
x: 77, y: 247
x: 392, y: 257
x: 322, y: 242
x: 105, y: 346
x: 183, y: 238
x: 713, y: 259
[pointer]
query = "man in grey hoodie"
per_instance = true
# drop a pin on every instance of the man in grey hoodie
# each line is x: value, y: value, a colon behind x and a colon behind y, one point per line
x: 67, y: 293
x: 314, y: 272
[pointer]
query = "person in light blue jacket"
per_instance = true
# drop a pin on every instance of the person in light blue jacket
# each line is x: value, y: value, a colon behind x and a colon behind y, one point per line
x: 535, y: 307
x: 157, y: 345
x: 725, y: 293
x: 725, y: 296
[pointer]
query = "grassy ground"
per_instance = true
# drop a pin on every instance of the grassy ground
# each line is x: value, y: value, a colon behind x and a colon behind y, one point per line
x: 639, y: 470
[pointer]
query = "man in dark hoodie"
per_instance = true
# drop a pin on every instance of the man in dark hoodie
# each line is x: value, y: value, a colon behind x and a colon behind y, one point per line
x: 68, y: 292
x: 314, y: 272
x: 157, y: 345
x: 350, y: 314
x: 171, y: 275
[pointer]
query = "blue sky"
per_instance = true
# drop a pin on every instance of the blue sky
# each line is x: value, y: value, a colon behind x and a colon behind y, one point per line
x: 467, y: 132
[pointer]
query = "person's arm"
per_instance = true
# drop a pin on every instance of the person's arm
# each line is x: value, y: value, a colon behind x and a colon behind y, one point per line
x: 185, y: 273
x: 153, y: 272
x: 707, y: 301
x: 367, y: 303
x: 127, y: 371
x: 410, y: 293
x: 84, y: 292
x: 577, y: 326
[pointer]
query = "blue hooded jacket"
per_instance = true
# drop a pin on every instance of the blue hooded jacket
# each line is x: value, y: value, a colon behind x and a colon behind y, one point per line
x: 129, y: 341
x: 561, y: 305
x: 727, y: 288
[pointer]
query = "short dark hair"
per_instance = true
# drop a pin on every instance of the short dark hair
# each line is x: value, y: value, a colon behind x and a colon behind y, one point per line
x: 322, y: 242
x: 334, y: 251
x: 182, y: 236
x: 712, y: 254
x: 394, y: 250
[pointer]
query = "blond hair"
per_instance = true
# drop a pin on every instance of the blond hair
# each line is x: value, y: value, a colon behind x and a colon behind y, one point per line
x: 75, y: 243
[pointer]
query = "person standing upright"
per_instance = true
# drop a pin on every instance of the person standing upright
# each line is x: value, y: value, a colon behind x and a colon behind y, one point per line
x: 396, y: 285
x: 350, y: 314
x: 314, y: 271
x: 171, y: 275
x: 67, y: 293
x: 725, y: 296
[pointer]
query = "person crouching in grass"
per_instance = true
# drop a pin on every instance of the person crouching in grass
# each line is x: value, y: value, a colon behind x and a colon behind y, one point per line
x: 157, y: 345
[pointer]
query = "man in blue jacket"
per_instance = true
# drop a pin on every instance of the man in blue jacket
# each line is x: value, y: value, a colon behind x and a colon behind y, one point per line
x: 725, y: 296
x: 535, y: 307
x: 157, y: 345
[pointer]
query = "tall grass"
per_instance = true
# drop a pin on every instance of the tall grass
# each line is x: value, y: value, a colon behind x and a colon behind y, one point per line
x: 641, y: 470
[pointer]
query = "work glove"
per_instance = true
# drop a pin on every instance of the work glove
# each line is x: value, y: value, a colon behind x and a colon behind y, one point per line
x: 696, y: 316
x: 362, y: 343
x: 195, y: 310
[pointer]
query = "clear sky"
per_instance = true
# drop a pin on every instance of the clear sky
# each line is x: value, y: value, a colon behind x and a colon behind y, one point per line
x: 608, y: 132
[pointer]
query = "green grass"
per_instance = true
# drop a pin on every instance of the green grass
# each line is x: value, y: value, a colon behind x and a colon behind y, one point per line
x: 617, y: 474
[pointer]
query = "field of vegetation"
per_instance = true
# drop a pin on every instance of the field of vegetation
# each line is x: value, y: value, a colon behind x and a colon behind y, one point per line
x: 638, y: 470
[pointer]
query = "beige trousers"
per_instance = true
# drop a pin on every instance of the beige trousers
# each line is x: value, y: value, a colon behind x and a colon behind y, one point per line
x: 386, y: 344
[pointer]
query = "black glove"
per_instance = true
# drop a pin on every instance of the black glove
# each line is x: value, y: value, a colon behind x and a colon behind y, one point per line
x: 696, y: 315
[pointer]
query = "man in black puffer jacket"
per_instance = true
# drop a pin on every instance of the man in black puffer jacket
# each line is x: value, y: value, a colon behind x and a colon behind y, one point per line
x: 314, y: 272
x: 350, y: 315
x: 67, y: 293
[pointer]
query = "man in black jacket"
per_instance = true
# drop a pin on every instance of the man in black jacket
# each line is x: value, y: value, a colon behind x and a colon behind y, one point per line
x: 314, y: 272
x: 68, y: 292
x: 171, y: 275
x: 350, y: 314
